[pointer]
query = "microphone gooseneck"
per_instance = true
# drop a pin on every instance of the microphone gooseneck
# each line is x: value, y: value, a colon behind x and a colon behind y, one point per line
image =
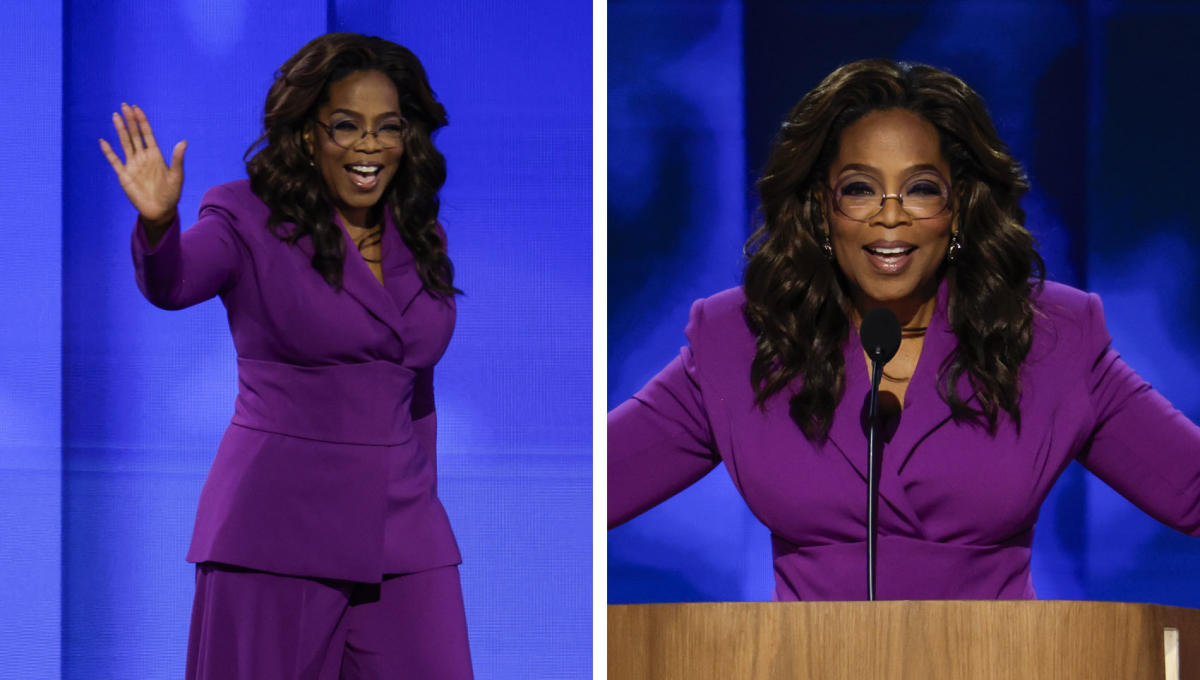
x: 880, y: 334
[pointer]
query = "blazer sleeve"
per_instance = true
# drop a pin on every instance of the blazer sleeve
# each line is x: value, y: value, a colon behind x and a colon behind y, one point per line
x: 660, y: 441
x: 185, y: 268
x: 1141, y: 446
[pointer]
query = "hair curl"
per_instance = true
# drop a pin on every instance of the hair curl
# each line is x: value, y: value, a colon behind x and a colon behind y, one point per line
x: 282, y: 175
x: 797, y: 301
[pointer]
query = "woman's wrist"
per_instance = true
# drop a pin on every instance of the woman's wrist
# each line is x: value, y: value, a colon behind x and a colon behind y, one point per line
x: 155, y: 228
x: 159, y: 223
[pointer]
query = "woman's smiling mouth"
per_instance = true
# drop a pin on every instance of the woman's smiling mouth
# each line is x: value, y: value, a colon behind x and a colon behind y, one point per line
x: 364, y: 175
x: 889, y: 257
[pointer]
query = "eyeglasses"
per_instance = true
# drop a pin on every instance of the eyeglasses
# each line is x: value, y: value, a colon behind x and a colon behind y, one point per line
x: 346, y: 133
x: 862, y: 198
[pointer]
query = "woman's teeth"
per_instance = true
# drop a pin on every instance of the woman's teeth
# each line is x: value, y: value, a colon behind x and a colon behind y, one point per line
x: 364, y: 177
x: 890, y: 251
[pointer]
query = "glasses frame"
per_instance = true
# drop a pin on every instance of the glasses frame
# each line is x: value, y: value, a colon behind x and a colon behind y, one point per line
x: 329, y: 131
x: 883, y: 199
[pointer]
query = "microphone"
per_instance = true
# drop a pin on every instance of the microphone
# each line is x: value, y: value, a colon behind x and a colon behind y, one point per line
x: 880, y: 334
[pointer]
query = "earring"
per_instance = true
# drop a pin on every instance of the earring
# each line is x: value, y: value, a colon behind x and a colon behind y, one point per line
x: 956, y: 246
x: 827, y: 247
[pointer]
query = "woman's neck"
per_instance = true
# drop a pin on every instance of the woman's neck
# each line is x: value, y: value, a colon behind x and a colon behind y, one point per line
x: 912, y: 314
x: 359, y: 219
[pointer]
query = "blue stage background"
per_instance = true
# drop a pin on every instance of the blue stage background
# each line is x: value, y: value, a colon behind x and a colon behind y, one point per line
x: 1094, y: 101
x: 111, y: 409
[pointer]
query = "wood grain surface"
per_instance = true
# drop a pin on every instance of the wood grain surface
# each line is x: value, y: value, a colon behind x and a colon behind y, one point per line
x: 903, y: 640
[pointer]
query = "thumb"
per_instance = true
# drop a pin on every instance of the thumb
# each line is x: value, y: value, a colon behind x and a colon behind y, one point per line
x: 177, y: 157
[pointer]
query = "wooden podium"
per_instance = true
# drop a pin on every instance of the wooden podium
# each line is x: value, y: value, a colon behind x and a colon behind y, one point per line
x: 980, y: 640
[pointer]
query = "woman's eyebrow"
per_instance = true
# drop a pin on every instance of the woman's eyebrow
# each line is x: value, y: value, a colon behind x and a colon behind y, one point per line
x: 919, y: 167
x: 356, y: 114
x: 859, y: 167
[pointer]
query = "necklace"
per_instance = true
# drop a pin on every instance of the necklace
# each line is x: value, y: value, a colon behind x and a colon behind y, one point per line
x: 910, y: 332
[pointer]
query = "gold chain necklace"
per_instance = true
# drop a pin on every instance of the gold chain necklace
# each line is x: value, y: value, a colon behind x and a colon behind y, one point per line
x: 912, y: 332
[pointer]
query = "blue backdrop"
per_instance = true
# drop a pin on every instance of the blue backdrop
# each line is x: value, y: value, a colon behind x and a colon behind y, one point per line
x: 111, y: 410
x: 1091, y: 98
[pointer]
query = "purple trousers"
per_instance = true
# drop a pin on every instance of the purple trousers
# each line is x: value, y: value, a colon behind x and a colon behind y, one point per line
x: 251, y: 624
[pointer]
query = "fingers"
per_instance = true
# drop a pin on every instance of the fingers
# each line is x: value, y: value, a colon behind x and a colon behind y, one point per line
x: 132, y: 127
x: 113, y: 160
x: 133, y: 131
x: 135, y: 137
x: 122, y: 135
x: 143, y: 126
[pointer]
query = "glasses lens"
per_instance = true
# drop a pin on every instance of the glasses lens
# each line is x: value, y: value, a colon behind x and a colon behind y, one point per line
x: 862, y: 198
x: 391, y: 135
x: 346, y: 134
x: 925, y: 197
x: 859, y: 198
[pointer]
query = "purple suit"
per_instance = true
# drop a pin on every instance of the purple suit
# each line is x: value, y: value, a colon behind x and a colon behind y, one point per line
x: 957, y: 505
x: 328, y: 466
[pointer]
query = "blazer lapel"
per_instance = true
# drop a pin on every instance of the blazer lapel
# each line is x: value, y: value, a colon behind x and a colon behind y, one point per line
x: 360, y: 283
x: 400, y: 275
x: 924, y: 411
x: 845, y: 431
x: 847, y: 434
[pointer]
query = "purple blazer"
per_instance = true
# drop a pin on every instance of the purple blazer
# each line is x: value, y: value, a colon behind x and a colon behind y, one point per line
x: 957, y: 506
x: 328, y: 466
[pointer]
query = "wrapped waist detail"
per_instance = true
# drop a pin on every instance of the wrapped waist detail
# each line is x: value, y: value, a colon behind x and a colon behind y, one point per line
x: 362, y: 403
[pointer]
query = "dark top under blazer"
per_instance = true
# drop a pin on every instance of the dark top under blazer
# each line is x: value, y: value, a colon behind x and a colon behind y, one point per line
x: 328, y: 468
x: 958, y: 505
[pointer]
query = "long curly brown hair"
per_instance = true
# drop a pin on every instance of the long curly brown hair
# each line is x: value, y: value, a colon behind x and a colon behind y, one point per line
x: 282, y: 175
x: 798, y: 303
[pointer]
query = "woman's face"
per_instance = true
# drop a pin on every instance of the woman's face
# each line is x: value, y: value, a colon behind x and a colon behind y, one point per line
x: 357, y: 176
x: 891, y: 259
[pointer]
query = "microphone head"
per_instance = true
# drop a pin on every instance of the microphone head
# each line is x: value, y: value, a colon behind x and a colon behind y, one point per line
x: 880, y: 333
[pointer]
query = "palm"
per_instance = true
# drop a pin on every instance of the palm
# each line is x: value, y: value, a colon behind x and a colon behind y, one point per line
x: 152, y: 187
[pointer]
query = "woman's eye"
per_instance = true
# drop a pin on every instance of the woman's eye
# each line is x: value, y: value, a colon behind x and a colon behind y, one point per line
x: 392, y: 127
x: 858, y: 189
x: 925, y: 188
x: 345, y: 126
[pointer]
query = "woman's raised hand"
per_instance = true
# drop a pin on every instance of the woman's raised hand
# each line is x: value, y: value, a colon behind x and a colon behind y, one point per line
x: 152, y: 187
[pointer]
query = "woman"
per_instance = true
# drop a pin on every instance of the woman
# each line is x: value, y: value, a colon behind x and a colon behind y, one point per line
x: 888, y: 187
x: 321, y: 547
